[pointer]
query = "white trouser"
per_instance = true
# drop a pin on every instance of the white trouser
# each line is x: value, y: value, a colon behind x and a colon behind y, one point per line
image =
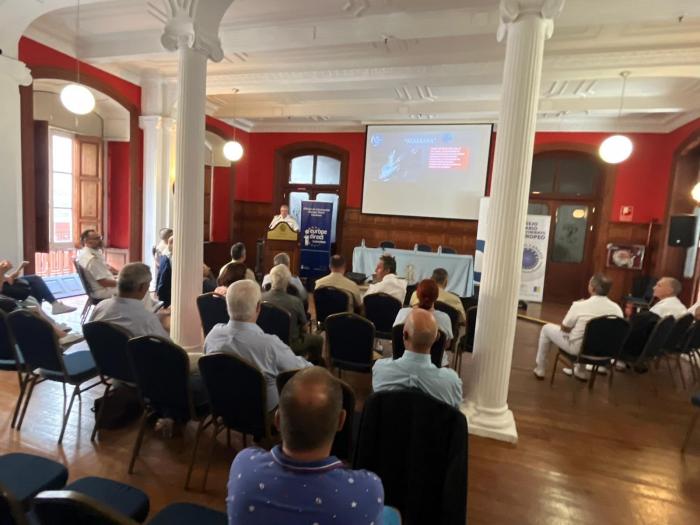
x: 551, y: 334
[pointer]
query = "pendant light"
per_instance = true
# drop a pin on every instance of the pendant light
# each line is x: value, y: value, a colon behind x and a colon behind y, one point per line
x: 75, y: 97
x: 617, y: 148
x: 695, y: 193
x: 233, y: 150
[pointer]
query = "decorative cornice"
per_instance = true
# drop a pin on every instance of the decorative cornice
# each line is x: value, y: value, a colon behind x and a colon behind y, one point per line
x: 512, y: 10
x: 16, y: 70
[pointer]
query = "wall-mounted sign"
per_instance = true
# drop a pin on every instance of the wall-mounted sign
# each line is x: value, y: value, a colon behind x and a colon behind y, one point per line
x: 626, y: 213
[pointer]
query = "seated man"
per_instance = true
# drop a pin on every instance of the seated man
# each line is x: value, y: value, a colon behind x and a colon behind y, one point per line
x: 127, y: 309
x: 302, y: 343
x: 284, y: 217
x: 245, y: 339
x: 17, y: 286
x: 299, y: 481
x: 666, y: 290
x: 386, y: 280
x: 100, y: 275
x: 414, y: 368
x: 569, y: 335
x: 238, y: 255
x: 165, y: 277
x: 450, y: 299
x: 283, y: 258
x: 338, y: 280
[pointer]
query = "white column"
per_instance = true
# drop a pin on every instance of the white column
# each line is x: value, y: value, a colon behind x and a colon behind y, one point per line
x: 13, y: 74
x: 526, y: 24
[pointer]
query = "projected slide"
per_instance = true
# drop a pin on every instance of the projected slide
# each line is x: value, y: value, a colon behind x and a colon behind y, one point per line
x: 426, y: 171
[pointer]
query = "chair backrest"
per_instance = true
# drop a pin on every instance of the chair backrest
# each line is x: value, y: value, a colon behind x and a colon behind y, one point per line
x: 67, y: 507
x: 83, y: 278
x: 330, y: 300
x: 604, y: 336
x: 471, y: 328
x: 161, y: 372
x: 422, y: 247
x: 212, y: 310
x: 643, y: 287
x: 291, y: 289
x: 418, y: 446
x: 659, y: 334
x: 107, y: 344
x: 11, y: 512
x: 36, y: 340
x: 275, y: 320
x: 409, y: 293
x: 7, y: 340
x: 436, y: 351
x: 447, y: 249
x: 350, y: 341
x: 677, y: 336
x: 381, y: 309
x: 453, y: 314
x: 342, y: 443
x: 387, y: 244
x: 641, y: 326
x: 237, y: 392
x: 692, y: 339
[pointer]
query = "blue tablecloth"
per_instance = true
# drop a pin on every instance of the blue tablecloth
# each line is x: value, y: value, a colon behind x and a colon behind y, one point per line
x: 460, y: 268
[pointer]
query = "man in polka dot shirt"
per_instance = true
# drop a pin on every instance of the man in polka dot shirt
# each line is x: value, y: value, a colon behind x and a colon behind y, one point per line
x: 299, y: 482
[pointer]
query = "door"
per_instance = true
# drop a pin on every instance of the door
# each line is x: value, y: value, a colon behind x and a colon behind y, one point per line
x: 87, y: 189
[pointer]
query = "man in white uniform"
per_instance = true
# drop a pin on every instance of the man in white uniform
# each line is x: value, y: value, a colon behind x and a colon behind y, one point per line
x: 387, y: 281
x: 284, y: 217
x: 569, y: 335
x: 666, y: 290
x: 100, y: 275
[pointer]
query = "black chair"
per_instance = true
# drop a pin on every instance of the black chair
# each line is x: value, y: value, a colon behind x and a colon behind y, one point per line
x: 162, y: 374
x: 11, y: 360
x: 343, y: 442
x: 187, y: 514
x: 642, y: 291
x: 91, y: 299
x: 419, y: 247
x: 350, y: 340
x: 67, y: 507
x: 455, y: 317
x: 330, y: 300
x: 275, y: 320
x: 676, y: 339
x: 237, y: 394
x: 447, y: 249
x: 653, y: 348
x: 418, y: 446
x: 11, y: 512
x: 381, y: 309
x: 466, y: 344
x: 45, y: 361
x: 409, y: 293
x: 385, y: 245
x: 25, y: 475
x: 602, y: 340
x: 641, y: 327
x: 115, y: 496
x: 107, y: 343
x: 212, y: 311
x: 436, y: 351
x: 695, y: 401
x: 688, y: 346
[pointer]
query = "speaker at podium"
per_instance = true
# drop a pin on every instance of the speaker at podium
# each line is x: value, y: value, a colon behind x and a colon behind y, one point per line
x: 281, y: 238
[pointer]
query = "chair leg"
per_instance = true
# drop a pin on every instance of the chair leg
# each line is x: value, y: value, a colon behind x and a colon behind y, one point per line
x: 591, y: 378
x: 139, y: 439
x: 215, y: 432
x: 27, y: 397
x: 670, y: 371
x: 680, y: 370
x: 690, y: 432
x: 98, y: 416
x: 86, y: 309
x: 200, y: 427
x: 554, y: 369
x: 23, y: 381
x: 76, y: 389
x: 611, y: 366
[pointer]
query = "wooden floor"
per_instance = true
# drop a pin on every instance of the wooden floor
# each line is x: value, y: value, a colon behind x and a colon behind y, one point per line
x: 604, y: 457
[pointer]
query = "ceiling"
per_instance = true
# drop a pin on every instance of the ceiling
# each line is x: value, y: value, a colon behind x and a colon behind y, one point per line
x: 340, y: 64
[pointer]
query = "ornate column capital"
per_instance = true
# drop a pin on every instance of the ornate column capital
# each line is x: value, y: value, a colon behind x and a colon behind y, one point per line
x: 15, y: 70
x: 512, y: 10
x: 192, y: 24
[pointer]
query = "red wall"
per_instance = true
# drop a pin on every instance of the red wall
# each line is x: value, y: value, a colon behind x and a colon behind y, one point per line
x: 221, y: 204
x: 118, y: 194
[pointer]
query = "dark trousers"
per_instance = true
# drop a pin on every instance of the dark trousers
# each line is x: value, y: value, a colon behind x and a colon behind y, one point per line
x: 38, y: 288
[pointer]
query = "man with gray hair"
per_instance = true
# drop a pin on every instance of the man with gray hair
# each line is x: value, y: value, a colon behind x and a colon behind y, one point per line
x: 666, y: 290
x: 127, y: 309
x: 283, y: 258
x: 569, y: 335
x: 242, y: 337
x: 301, y: 342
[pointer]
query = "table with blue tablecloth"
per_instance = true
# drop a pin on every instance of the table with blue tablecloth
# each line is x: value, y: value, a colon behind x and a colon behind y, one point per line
x: 417, y: 265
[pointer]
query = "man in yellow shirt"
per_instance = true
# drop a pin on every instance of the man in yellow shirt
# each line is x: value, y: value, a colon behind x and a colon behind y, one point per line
x: 450, y: 299
x: 338, y: 280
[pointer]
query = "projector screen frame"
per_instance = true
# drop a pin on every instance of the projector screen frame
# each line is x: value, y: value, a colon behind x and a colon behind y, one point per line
x: 487, y: 180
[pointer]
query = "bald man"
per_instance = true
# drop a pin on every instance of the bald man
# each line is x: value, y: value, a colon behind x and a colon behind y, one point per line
x: 666, y: 290
x: 414, y: 369
x: 299, y: 482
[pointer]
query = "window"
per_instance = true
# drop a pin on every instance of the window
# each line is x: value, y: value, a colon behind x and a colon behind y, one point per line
x: 61, y: 200
x: 564, y: 174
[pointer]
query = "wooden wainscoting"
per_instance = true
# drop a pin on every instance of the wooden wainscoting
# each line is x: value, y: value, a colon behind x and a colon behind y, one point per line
x: 117, y: 257
x: 216, y: 254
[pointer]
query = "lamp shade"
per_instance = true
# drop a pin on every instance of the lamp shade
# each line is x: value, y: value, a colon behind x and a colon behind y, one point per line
x: 233, y: 151
x: 77, y: 99
x: 615, y: 149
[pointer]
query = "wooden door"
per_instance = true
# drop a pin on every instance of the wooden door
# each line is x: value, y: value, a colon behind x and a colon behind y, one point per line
x: 87, y: 185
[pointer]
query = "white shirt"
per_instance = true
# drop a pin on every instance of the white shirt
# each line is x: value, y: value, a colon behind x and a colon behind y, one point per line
x: 692, y: 309
x: 391, y: 285
x: 130, y: 314
x: 583, y: 311
x: 96, y: 269
x: 291, y: 221
x: 669, y: 306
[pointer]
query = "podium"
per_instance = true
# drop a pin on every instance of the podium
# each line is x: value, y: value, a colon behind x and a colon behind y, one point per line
x: 281, y: 238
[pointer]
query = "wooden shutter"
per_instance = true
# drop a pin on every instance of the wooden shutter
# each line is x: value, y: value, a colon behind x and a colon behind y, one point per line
x: 87, y: 185
x: 41, y: 186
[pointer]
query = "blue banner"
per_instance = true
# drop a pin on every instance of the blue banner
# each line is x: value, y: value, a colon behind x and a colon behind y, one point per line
x: 315, y: 237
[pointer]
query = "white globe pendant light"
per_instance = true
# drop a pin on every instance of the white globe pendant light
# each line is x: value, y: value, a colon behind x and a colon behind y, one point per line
x: 233, y: 150
x: 77, y: 99
x: 617, y: 148
x: 695, y: 192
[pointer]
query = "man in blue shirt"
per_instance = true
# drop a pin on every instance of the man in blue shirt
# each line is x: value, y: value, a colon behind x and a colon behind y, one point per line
x: 299, y: 482
x: 414, y: 369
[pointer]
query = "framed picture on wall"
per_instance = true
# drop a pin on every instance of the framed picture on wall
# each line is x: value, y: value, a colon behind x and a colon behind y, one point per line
x: 626, y: 256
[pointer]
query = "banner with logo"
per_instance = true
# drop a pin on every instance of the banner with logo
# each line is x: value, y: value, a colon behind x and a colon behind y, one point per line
x: 315, y: 237
x: 534, y: 253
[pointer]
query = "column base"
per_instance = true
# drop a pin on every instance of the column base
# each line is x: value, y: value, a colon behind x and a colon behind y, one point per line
x: 489, y: 423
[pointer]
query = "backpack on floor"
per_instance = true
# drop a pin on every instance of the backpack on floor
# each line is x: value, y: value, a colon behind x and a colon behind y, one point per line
x: 122, y: 406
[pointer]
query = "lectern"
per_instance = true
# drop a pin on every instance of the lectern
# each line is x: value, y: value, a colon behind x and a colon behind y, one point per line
x: 282, y: 238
